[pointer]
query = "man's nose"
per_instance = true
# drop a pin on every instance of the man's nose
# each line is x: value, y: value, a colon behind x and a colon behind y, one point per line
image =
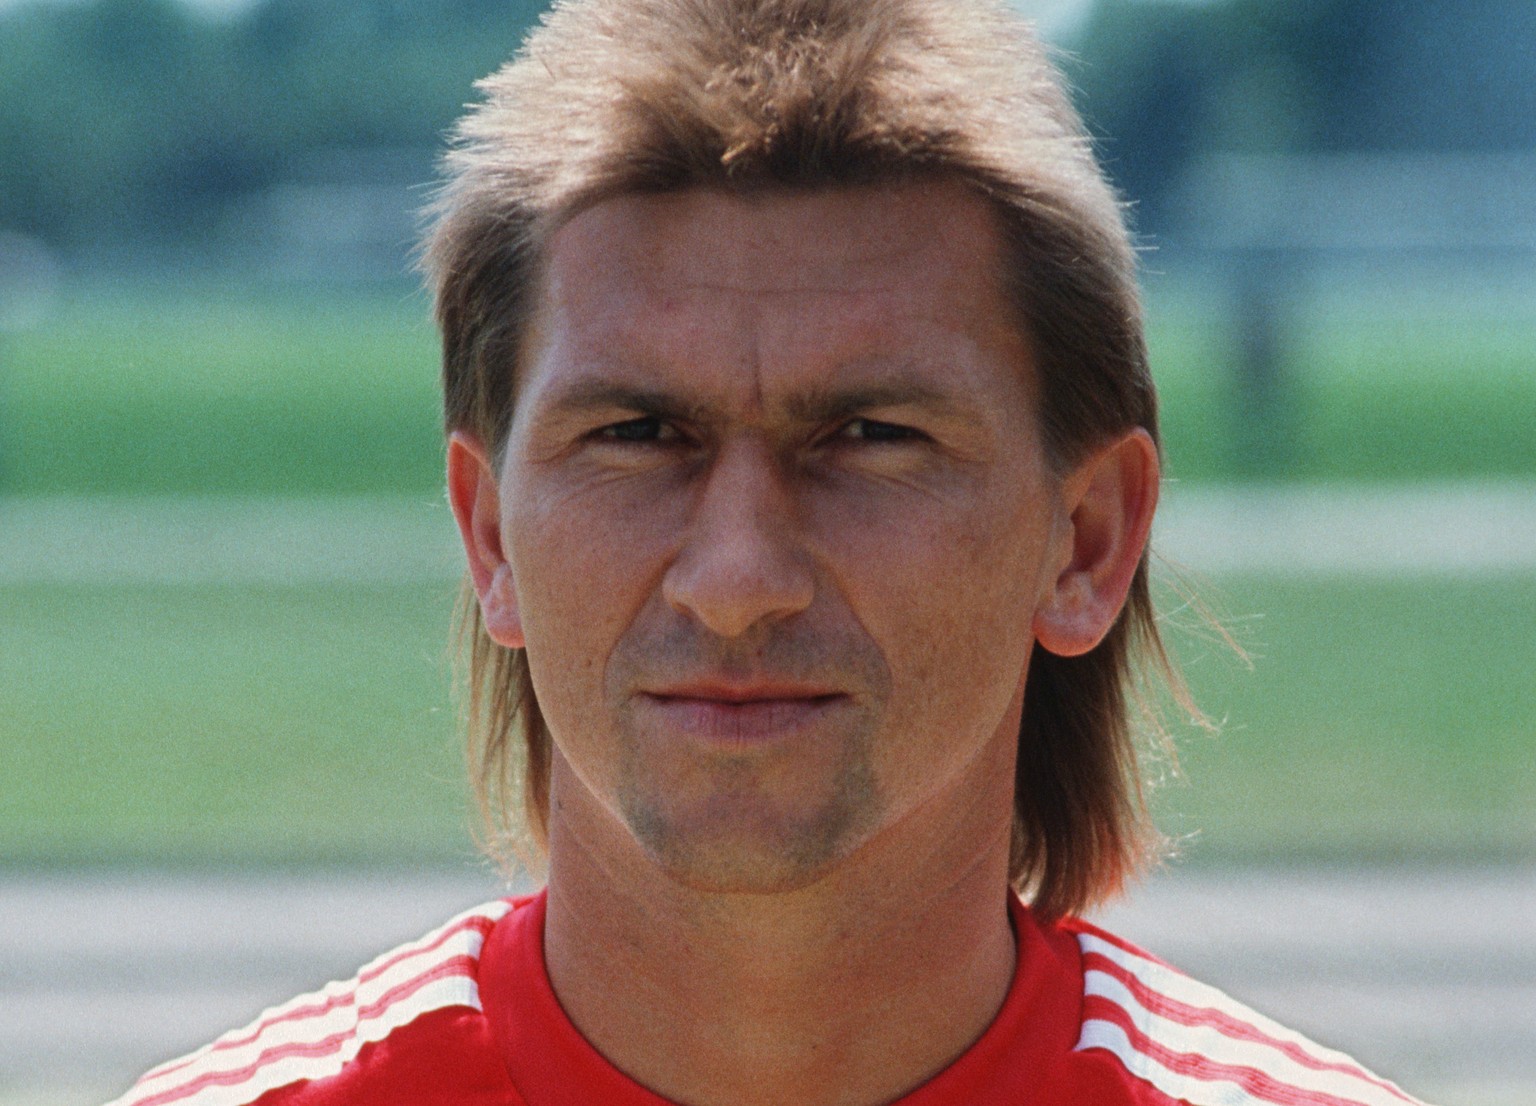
x: 741, y: 562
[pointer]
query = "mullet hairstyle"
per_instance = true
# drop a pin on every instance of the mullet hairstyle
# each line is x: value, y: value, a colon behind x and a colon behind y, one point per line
x: 613, y: 97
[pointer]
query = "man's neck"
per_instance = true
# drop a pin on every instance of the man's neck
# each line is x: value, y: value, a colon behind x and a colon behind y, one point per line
x: 851, y: 991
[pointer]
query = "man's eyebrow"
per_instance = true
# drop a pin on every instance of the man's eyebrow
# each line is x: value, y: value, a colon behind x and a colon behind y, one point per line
x: 828, y: 404
x: 817, y: 404
x: 588, y: 395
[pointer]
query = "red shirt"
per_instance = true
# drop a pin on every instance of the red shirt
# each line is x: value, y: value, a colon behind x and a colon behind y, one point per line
x: 466, y: 1016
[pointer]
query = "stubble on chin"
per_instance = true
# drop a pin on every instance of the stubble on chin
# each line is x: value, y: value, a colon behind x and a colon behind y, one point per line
x: 735, y: 835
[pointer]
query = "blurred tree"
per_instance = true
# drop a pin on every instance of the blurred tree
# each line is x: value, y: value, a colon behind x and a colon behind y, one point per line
x: 1447, y: 75
x: 121, y: 119
x: 1162, y: 81
x: 126, y: 118
x: 1141, y: 73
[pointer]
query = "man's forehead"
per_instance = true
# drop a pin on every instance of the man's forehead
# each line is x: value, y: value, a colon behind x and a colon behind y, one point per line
x: 809, y: 301
x: 778, y: 241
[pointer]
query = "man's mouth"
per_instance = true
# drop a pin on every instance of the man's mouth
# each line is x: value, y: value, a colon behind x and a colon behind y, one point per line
x: 740, y: 714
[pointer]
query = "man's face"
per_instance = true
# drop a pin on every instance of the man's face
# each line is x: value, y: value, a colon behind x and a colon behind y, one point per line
x: 777, y: 518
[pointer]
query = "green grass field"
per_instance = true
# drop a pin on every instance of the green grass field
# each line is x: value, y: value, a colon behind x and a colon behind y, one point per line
x: 1405, y: 394
x: 1380, y: 721
x: 266, y: 391
x: 209, y: 724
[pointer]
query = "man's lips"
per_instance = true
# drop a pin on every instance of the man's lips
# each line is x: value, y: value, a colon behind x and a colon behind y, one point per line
x: 742, y: 692
x: 740, y: 714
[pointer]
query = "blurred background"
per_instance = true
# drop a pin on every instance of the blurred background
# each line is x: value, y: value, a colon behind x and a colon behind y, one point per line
x: 227, y: 570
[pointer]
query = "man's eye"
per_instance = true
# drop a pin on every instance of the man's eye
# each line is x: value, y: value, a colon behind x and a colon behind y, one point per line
x: 872, y: 430
x: 646, y: 429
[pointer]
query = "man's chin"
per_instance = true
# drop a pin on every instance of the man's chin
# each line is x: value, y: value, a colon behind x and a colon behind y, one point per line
x: 750, y: 858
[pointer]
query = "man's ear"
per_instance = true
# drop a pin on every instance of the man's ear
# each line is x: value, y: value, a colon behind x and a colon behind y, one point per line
x: 1109, y: 499
x: 475, y: 496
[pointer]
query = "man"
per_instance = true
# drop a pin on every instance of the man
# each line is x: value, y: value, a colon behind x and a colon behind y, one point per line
x: 804, y: 452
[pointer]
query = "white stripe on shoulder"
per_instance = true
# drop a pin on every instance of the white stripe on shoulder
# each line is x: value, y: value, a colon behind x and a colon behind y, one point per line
x: 318, y: 1034
x: 1197, y: 1044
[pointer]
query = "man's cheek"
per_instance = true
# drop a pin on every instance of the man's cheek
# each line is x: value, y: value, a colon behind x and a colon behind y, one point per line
x: 567, y: 572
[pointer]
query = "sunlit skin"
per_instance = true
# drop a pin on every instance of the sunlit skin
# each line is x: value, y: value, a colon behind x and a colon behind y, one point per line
x: 775, y: 524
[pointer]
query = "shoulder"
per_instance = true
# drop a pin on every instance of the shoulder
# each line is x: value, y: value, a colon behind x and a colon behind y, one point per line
x: 1194, y: 1044
x: 321, y: 1035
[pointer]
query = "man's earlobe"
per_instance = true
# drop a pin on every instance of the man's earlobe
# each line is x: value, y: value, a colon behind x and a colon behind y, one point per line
x: 475, y: 496
x: 499, y: 610
x: 1110, y: 499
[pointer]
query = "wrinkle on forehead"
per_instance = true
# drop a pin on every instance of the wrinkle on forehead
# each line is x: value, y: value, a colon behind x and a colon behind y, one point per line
x: 641, y: 235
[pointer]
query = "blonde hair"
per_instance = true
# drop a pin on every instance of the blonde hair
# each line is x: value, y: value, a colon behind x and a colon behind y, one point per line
x: 609, y: 97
